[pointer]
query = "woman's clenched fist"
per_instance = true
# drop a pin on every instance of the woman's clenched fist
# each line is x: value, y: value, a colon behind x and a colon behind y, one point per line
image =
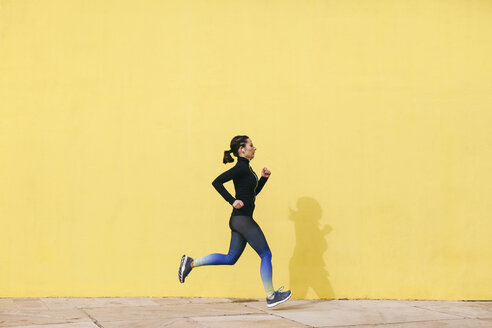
x: 238, y: 204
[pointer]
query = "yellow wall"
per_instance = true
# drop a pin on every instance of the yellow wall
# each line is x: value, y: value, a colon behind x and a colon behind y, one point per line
x: 373, y: 116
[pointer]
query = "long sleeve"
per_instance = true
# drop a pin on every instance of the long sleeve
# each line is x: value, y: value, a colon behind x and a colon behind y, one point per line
x: 228, y: 175
x: 261, y: 183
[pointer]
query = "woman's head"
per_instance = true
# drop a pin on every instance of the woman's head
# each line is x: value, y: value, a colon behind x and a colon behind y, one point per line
x: 240, y: 146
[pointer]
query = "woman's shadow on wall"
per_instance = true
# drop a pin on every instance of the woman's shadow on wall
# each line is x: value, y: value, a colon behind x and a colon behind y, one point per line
x: 307, y: 266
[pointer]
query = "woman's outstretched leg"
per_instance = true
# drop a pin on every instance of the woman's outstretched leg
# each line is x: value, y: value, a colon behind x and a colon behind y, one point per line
x: 236, y: 248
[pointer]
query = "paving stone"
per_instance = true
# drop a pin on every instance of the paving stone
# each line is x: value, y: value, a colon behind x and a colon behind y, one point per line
x: 290, y: 304
x: 87, y: 302
x: 153, y: 323
x: 7, y: 305
x: 465, y: 309
x: 177, y: 312
x: 30, y: 317
x: 29, y: 304
x: 167, y: 311
x: 339, y: 313
x: 202, y: 300
x: 250, y: 321
x: 170, y: 300
x: 246, y: 300
x: 460, y: 323
x: 183, y: 300
x: 63, y: 325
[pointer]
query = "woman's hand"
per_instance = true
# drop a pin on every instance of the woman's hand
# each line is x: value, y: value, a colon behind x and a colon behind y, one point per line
x: 238, y: 204
x: 265, y: 172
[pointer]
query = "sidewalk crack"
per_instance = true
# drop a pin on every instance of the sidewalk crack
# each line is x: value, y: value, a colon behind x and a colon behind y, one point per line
x: 93, y: 320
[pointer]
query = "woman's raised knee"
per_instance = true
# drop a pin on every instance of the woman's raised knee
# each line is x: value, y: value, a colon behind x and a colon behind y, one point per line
x: 231, y: 260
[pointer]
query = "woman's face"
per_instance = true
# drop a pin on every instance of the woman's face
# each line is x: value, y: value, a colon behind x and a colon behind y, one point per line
x: 248, y: 150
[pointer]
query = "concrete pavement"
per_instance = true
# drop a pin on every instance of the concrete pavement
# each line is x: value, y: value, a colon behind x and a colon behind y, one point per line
x: 171, y: 312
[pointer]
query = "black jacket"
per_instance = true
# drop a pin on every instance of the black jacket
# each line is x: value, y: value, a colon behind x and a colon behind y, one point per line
x: 246, y: 184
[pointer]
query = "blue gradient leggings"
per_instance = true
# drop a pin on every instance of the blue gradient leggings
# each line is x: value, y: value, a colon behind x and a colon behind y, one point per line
x: 244, y: 229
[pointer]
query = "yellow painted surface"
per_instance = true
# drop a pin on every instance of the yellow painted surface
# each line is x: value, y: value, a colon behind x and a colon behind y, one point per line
x: 374, y: 118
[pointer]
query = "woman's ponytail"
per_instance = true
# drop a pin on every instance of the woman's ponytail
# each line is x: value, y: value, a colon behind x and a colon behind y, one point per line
x: 227, y: 157
x: 236, y: 143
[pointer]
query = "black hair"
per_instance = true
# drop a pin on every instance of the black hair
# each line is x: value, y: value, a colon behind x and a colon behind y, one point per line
x: 236, y: 143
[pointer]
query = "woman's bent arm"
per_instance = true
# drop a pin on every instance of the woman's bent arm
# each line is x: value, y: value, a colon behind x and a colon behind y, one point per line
x: 261, y: 183
x: 228, y: 175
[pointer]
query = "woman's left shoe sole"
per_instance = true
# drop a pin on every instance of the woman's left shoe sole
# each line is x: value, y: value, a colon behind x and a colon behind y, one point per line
x: 181, y: 268
x: 280, y: 302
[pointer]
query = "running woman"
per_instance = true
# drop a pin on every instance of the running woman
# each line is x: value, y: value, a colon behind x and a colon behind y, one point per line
x: 244, y: 228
